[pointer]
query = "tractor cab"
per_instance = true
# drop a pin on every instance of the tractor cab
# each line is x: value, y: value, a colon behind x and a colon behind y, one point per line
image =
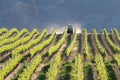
x: 70, y: 29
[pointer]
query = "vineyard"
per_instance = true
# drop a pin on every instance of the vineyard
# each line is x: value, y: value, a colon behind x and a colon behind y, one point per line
x: 35, y: 55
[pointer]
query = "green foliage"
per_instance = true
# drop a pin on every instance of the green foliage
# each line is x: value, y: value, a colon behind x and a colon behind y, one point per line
x: 71, y: 46
x: 30, y: 67
x: 110, y: 71
x: 8, y: 34
x: 54, y: 48
x: 39, y: 47
x: 27, y: 46
x: 77, y: 69
x: 72, y: 70
x: 88, y: 74
x: 3, y: 30
x: 18, y: 42
x: 115, y: 48
x: 9, y: 65
x: 100, y: 48
x: 65, y: 71
x: 117, y: 33
x: 12, y: 39
x: 53, y: 70
x: 101, y: 69
x: 117, y: 59
x: 85, y: 44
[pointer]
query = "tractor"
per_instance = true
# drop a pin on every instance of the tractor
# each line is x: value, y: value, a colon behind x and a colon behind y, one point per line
x: 70, y: 29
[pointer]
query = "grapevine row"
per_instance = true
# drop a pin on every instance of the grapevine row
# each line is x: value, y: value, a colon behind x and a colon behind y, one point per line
x: 18, y: 51
x: 115, y: 48
x: 3, y: 30
x: 117, y: 59
x: 117, y: 33
x: 29, y: 68
x: 8, y: 34
x: 27, y: 46
x: 77, y: 69
x: 101, y: 69
x: 100, y: 48
x: 53, y: 70
x: 71, y: 46
x: 43, y: 44
x: 12, y: 39
x: 9, y: 65
x: 54, y: 48
x: 85, y: 44
x: 17, y: 43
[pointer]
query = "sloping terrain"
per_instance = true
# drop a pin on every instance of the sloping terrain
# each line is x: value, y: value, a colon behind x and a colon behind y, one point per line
x: 38, y: 55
